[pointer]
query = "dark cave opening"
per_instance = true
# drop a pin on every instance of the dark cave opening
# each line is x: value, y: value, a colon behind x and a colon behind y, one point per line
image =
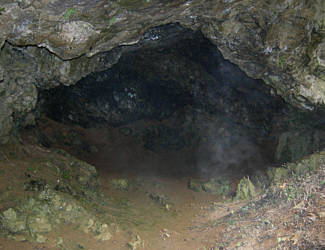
x: 173, y: 105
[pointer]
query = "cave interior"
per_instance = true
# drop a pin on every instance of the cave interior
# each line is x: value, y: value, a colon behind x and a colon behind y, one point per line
x: 162, y: 124
x: 173, y: 106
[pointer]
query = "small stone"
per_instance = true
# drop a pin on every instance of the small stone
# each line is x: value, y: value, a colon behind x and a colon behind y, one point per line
x: 69, y: 208
x: 10, y: 214
x: 136, y: 243
x: 104, y: 236
x: 90, y: 223
x: 40, y: 238
x: 59, y: 241
x: 87, y: 225
x: 103, y: 228
x: 159, y: 198
x: 167, y: 235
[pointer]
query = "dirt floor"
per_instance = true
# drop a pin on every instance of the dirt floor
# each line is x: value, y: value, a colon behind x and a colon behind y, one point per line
x: 157, y: 210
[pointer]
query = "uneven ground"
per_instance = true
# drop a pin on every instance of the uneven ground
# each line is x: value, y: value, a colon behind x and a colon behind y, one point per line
x: 156, y: 209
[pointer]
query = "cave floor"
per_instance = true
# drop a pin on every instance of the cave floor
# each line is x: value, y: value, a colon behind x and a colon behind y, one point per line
x: 156, y: 209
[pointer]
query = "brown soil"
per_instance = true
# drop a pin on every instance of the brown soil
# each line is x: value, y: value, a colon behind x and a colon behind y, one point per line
x: 192, y: 220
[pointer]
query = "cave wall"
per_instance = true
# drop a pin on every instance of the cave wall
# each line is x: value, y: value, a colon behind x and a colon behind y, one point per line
x: 187, y: 95
x: 48, y: 43
x: 153, y: 80
x: 28, y: 69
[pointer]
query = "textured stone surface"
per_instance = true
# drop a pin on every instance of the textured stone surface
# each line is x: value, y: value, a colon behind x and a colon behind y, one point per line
x: 27, y: 69
x: 183, y: 82
x: 61, y: 200
x: 52, y: 42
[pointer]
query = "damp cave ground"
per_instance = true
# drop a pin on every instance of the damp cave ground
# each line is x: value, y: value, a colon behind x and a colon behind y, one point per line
x: 171, y: 129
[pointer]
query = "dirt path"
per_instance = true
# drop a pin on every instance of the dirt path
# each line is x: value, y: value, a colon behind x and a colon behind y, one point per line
x: 150, y: 206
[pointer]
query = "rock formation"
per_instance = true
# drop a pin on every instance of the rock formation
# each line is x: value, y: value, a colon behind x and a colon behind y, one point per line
x: 49, y: 43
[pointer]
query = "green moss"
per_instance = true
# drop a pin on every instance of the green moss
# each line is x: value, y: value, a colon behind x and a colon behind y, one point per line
x: 307, y: 165
x: 1, y: 10
x: 194, y: 185
x: 69, y: 13
x: 65, y: 174
x: 245, y: 189
x: 281, y: 62
x: 111, y: 22
x: 217, y: 186
x: 276, y: 175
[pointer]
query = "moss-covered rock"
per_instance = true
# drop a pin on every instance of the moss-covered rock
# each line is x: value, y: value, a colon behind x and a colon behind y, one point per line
x: 306, y: 165
x: 294, y: 145
x: 66, y: 193
x: 194, y: 185
x: 309, y: 163
x: 12, y: 222
x: 217, y: 186
x: 35, y: 217
x: 245, y: 189
x: 76, y: 177
x: 136, y: 243
x: 278, y: 174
